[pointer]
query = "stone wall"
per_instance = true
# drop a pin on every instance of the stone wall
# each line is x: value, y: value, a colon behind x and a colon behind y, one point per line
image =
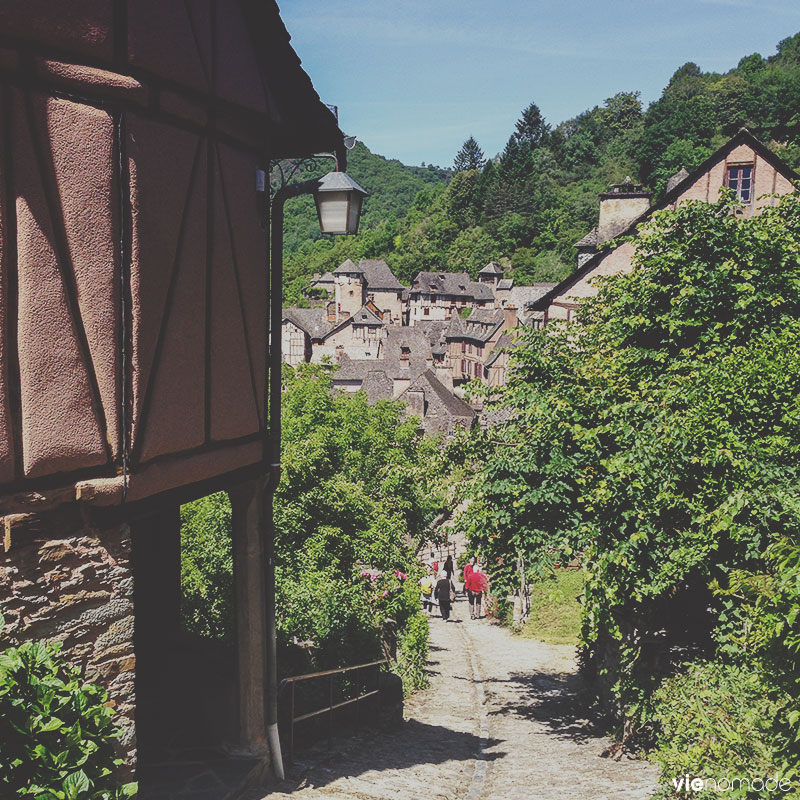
x: 65, y: 579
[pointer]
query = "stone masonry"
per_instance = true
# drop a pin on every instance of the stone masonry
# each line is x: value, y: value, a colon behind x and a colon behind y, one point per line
x: 65, y: 579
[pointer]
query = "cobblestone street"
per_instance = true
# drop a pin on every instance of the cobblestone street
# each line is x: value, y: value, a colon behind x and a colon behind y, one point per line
x: 500, y: 720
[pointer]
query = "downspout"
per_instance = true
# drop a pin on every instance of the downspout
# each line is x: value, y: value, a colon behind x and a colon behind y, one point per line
x: 273, y: 477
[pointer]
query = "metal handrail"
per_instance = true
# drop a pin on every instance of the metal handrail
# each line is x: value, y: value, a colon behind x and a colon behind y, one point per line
x: 292, y: 681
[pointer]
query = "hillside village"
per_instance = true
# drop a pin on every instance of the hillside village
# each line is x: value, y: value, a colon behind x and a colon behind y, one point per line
x: 423, y: 343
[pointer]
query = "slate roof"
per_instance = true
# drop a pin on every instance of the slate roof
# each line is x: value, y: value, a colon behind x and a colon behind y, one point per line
x: 505, y: 340
x: 377, y: 385
x: 598, y: 236
x: 323, y: 280
x: 376, y: 273
x: 742, y: 137
x: 428, y: 382
x: 435, y: 330
x: 479, y: 326
x: 356, y: 369
x: 399, y: 336
x: 505, y: 283
x: 347, y: 267
x: 454, y: 284
x: 679, y: 176
x: 455, y: 326
x: 522, y: 296
x: 366, y: 316
x: 314, y: 321
x: 379, y: 276
x: 491, y: 269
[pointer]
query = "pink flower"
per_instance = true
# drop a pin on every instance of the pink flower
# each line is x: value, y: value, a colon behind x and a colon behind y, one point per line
x: 385, y: 593
x: 373, y: 578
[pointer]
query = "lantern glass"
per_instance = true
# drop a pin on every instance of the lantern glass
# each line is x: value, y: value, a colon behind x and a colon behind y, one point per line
x: 339, y: 212
x: 339, y: 199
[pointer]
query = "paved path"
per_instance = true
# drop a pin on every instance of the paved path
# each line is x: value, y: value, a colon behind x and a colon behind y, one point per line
x: 500, y: 721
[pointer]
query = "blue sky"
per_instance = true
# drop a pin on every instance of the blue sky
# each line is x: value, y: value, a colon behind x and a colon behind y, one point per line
x: 414, y: 78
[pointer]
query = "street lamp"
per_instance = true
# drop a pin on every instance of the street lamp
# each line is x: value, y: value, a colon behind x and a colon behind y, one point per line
x: 339, y: 200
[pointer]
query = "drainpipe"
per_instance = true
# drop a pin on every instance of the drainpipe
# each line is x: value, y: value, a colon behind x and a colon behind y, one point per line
x: 273, y: 477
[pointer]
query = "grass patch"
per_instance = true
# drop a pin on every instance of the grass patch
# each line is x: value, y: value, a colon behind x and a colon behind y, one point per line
x: 555, y: 616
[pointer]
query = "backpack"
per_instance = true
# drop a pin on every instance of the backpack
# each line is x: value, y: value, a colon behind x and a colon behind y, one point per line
x: 427, y: 585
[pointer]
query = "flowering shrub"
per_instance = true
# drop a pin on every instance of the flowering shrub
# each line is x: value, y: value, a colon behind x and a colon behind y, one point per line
x: 391, y: 595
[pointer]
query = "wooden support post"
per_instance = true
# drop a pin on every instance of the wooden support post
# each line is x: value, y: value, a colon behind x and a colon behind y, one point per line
x: 247, y: 509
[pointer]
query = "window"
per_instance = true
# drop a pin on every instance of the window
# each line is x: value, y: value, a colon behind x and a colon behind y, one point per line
x: 351, y: 293
x: 426, y: 312
x: 405, y: 353
x: 463, y: 347
x: 479, y: 370
x: 463, y: 367
x: 740, y: 179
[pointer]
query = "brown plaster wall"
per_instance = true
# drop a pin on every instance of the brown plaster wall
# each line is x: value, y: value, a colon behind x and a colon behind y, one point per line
x: 63, y: 426
x: 67, y: 580
x: 85, y: 30
x: 133, y: 292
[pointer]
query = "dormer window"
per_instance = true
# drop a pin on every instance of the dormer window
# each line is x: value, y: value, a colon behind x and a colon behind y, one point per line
x: 740, y: 179
x: 405, y: 353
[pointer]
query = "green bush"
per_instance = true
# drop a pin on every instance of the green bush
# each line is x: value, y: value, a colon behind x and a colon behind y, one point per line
x: 359, y: 491
x: 719, y: 721
x: 56, y: 731
x: 413, y: 654
x: 555, y: 612
x: 658, y: 438
x: 207, y: 567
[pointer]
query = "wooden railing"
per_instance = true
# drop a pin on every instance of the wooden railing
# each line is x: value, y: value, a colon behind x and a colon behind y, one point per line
x: 288, y: 685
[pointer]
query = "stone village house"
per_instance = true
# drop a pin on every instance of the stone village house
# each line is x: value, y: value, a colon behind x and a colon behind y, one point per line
x: 356, y: 285
x: 436, y: 295
x: 743, y: 163
x: 133, y: 331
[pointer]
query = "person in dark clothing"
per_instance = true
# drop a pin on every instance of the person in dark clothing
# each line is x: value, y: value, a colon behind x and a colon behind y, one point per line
x: 449, y: 568
x: 444, y: 587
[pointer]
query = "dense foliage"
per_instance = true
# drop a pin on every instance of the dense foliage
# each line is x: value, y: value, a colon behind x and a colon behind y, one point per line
x: 56, y: 731
x: 658, y: 438
x: 526, y: 207
x: 354, y: 504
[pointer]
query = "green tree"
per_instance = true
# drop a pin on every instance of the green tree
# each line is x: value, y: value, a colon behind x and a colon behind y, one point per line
x: 657, y: 439
x: 469, y: 157
x: 531, y: 130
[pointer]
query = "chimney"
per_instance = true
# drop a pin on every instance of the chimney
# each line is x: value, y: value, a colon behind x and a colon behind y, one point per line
x: 510, y: 318
x: 416, y: 403
x: 622, y: 205
x: 331, y: 309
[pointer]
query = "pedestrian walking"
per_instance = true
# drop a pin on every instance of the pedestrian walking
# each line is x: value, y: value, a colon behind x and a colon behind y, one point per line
x: 476, y: 586
x: 449, y: 568
x: 468, y: 567
x: 444, y: 593
x: 426, y: 584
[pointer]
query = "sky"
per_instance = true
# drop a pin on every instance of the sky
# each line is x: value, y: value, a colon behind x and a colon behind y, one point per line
x: 414, y: 78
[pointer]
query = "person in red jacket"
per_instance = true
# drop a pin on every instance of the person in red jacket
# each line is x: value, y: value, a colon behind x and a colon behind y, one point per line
x: 468, y: 567
x: 476, y: 586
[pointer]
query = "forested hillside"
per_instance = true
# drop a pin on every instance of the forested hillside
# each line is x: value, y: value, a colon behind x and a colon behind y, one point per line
x: 527, y: 206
